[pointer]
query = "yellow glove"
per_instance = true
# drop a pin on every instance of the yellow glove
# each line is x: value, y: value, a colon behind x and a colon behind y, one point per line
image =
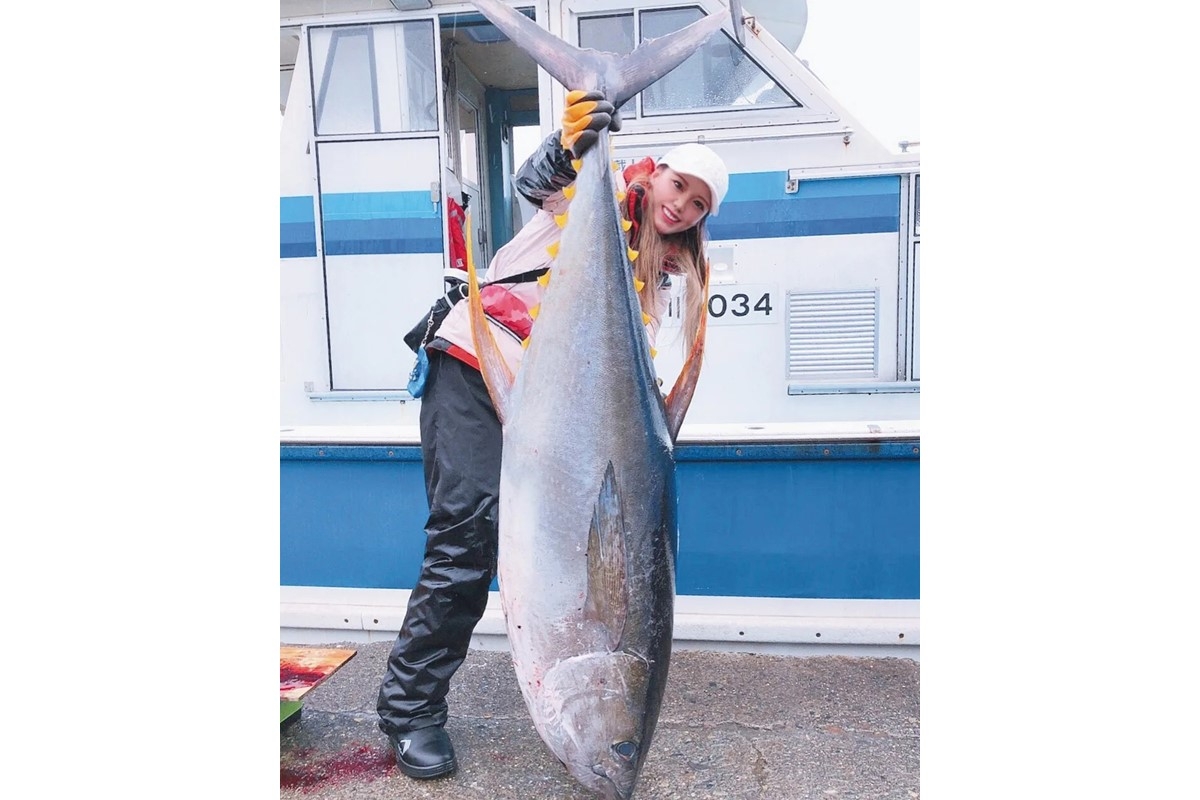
x: 587, y: 114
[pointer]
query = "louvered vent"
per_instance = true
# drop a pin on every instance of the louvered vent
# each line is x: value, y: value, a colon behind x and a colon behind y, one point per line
x: 833, y: 335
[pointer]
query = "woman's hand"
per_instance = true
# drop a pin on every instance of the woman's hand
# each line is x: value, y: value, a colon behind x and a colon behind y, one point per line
x: 587, y: 114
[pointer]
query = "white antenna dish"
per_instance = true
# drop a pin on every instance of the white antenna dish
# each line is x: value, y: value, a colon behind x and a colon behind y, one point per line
x: 785, y: 19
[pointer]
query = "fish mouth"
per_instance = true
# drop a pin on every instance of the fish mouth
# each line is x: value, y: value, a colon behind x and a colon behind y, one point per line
x: 609, y: 788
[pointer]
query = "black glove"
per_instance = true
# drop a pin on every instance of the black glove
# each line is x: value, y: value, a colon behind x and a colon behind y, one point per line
x: 549, y: 168
x: 587, y: 114
x: 545, y: 172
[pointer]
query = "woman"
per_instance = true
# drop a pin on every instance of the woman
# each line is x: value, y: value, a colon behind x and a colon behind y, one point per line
x: 667, y: 203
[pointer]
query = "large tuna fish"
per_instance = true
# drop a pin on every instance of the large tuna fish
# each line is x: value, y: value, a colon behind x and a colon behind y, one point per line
x: 587, y: 484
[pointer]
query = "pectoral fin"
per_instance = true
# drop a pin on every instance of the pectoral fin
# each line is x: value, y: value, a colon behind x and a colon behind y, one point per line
x: 493, y: 367
x: 685, y: 385
x: 607, y: 598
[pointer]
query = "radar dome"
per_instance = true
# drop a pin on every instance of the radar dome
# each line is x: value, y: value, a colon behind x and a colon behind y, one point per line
x: 785, y: 19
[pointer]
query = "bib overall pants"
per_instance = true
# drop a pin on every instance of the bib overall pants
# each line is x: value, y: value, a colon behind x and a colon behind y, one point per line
x: 460, y: 447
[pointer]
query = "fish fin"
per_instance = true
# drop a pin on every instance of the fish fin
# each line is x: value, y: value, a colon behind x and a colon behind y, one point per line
x: 638, y: 284
x: 561, y: 220
x: 607, y: 593
x: 685, y: 385
x: 626, y: 224
x: 535, y: 310
x: 569, y: 191
x: 495, y: 370
x: 633, y: 254
x: 553, y: 251
x: 620, y: 77
x: 738, y: 19
x: 544, y: 279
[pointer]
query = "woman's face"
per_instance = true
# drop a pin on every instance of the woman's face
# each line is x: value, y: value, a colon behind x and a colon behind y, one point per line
x: 677, y: 201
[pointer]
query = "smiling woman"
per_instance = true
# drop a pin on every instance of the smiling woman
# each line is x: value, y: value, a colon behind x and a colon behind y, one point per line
x: 679, y: 200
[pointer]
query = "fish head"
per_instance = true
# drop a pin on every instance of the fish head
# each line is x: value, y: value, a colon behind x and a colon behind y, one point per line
x: 601, y: 720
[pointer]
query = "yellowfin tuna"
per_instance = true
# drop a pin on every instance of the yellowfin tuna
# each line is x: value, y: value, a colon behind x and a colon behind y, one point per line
x: 588, y: 535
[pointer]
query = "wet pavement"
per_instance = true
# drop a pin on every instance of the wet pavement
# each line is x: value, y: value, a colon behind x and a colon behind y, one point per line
x: 733, y: 725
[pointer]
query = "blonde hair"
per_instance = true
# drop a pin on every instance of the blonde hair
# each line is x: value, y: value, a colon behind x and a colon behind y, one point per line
x: 686, y: 249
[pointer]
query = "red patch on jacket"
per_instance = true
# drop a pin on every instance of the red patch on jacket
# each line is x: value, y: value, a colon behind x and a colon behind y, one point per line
x: 635, y: 195
x: 507, y: 309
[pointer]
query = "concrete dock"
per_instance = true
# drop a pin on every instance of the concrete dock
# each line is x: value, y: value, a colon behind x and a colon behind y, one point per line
x: 733, y: 725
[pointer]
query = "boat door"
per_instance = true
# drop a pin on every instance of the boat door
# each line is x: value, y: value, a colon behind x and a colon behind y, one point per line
x: 377, y: 118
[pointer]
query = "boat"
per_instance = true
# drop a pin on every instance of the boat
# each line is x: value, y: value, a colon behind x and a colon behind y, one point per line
x: 799, y: 460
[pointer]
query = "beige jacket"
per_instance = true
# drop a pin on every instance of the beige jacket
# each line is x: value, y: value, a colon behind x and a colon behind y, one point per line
x: 508, y: 305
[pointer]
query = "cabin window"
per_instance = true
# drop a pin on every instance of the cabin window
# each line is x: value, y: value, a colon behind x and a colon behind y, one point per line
x: 612, y: 33
x: 285, y: 85
x: 468, y: 132
x: 717, y: 77
x: 289, y: 44
x: 916, y: 312
x: 917, y: 207
x: 916, y: 280
x: 374, y: 78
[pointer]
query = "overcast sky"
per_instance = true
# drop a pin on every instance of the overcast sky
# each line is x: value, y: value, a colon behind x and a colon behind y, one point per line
x: 867, y: 52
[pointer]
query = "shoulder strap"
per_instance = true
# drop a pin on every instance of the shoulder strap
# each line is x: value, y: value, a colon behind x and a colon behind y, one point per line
x: 458, y: 291
x: 521, y: 277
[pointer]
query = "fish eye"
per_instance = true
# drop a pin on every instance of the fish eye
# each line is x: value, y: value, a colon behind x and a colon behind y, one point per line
x: 626, y: 750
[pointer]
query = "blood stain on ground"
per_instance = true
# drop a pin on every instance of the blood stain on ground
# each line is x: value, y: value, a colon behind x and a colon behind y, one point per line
x: 362, y: 762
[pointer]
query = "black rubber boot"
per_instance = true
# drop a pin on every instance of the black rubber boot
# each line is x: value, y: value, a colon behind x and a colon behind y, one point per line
x: 424, y: 753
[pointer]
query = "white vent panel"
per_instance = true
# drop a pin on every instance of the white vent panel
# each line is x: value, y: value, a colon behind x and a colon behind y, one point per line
x: 833, y: 335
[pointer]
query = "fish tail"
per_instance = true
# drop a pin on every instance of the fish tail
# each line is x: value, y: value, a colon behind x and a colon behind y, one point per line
x: 619, y: 77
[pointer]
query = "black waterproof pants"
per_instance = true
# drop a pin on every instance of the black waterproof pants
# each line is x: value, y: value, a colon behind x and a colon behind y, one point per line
x: 460, y: 446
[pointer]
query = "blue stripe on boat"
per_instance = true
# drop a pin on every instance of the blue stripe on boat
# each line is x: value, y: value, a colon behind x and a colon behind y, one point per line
x: 756, y: 207
x: 297, y: 228
x: 813, y: 520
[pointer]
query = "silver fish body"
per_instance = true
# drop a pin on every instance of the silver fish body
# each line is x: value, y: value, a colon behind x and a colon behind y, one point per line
x: 588, y: 530
x: 587, y: 508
